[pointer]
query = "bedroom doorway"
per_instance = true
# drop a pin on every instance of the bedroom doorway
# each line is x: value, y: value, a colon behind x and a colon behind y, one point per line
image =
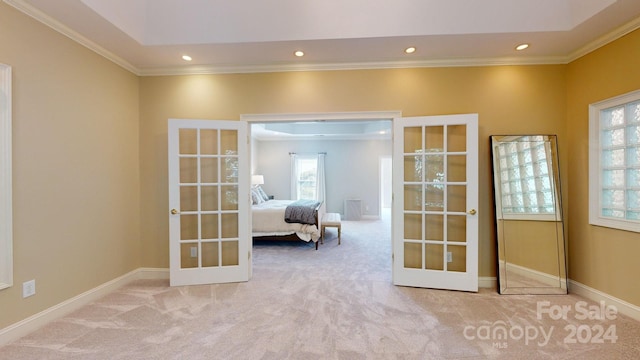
x: 434, y: 178
x: 354, y: 143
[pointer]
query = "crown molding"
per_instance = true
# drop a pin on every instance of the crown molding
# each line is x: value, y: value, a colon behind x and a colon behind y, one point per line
x: 33, y: 12
x: 604, y: 40
x: 217, y: 69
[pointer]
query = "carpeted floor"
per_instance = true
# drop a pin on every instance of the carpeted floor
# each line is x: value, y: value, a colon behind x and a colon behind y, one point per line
x: 334, y: 303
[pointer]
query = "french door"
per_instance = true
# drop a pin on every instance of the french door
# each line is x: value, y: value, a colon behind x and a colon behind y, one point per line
x: 208, y: 202
x: 435, y: 186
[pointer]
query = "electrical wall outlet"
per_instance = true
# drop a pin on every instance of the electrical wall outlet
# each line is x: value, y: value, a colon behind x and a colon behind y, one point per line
x: 449, y: 257
x: 28, y: 288
x: 194, y: 251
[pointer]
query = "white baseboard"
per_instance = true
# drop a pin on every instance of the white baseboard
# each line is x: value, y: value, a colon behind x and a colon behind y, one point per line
x: 24, y: 327
x: 590, y: 293
x: 488, y: 282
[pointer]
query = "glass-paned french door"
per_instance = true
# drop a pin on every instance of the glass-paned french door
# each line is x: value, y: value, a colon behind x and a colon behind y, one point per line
x: 435, y: 186
x: 208, y: 202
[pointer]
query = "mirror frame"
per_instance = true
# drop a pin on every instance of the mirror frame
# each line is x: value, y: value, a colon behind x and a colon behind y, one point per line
x: 550, y: 218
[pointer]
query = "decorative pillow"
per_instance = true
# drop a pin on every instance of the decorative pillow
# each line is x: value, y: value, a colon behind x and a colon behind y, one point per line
x: 261, y: 192
x: 256, y: 198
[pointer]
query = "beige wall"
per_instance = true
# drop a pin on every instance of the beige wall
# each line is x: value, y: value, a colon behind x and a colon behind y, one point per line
x: 602, y: 258
x: 509, y: 100
x: 75, y: 166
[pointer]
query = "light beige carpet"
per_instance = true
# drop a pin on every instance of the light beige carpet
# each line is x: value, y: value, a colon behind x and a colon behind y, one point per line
x: 334, y: 303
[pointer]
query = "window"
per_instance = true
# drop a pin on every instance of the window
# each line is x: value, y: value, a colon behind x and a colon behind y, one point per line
x: 306, y: 174
x: 614, y: 162
x: 6, y: 237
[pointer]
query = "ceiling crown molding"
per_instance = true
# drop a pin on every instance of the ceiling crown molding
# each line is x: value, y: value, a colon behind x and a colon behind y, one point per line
x: 605, y: 39
x: 31, y: 11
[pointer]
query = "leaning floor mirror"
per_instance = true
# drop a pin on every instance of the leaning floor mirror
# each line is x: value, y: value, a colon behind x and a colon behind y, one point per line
x: 528, y: 211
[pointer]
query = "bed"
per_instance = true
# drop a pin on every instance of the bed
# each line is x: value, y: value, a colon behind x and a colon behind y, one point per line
x: 268, y: 220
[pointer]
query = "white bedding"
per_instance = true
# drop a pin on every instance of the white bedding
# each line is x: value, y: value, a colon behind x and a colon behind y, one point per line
x: 268, y: 220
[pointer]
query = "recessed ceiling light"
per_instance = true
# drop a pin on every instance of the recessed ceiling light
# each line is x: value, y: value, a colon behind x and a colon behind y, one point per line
x: 186, y: 58
x: 410, y: 50
x: 522, y: 47
x: 299, y: 53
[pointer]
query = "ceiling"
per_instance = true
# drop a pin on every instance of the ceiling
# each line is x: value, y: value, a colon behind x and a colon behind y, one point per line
x: 149, y: 37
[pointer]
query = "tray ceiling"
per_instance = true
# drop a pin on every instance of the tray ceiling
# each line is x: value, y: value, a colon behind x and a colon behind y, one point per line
x: 150, y: 36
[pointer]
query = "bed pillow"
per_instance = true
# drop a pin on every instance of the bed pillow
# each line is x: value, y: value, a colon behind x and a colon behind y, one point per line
x: 263, y: 194
x: 256, y: 198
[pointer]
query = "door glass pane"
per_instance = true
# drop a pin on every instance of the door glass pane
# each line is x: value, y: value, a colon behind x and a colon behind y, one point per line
x: 434, y: 257
x: 458, y: 258
x: 413, y: 197
x: 208, y: 142
x: 456, y: 138
x: 413, y: 226
x: 210, y: 254
x: 413, y: 168
x: 434, y: 139
x: 457, y: 168
x: 434, y: 227
x: 209, y: 170
x: 434, y: 171
x: 188, y: 227
x: 228, y: 142
x: 230, y: 170
x: 413, y: 255
x: 229, y: 253
x: 186, y: 260
x: 209, y: 200
x: 457, y: 228
x: 188, y: 142
x: 457, y: 198
x: 434, y: 197
x: 229, y: 199
x: 188, y: 170
x: 210, y: 226
x: 229, y: 226
x: 412, y: 140
x: 188, y: 198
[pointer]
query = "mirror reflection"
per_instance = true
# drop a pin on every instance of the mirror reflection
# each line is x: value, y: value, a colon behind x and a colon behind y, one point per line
x: 529, y: 223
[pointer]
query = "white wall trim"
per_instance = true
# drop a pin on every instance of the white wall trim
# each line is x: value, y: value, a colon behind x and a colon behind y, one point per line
x: 488, y: 282
x: 36, y: 321
x: 332, y: 116
x: 6, y: 187
x: 590, y: 293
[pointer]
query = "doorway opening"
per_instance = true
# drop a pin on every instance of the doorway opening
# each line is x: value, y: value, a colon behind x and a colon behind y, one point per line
x: 353, y: 144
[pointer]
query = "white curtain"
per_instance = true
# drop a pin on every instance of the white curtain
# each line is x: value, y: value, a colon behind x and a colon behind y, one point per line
x: 294, y: 177
x: 320, y: 179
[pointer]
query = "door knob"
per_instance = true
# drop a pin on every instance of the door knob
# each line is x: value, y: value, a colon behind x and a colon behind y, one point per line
x: 174, y: 211
x: 472, y: 211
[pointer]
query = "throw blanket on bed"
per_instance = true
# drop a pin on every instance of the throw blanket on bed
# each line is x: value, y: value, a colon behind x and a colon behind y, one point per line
x: 301, y: 211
